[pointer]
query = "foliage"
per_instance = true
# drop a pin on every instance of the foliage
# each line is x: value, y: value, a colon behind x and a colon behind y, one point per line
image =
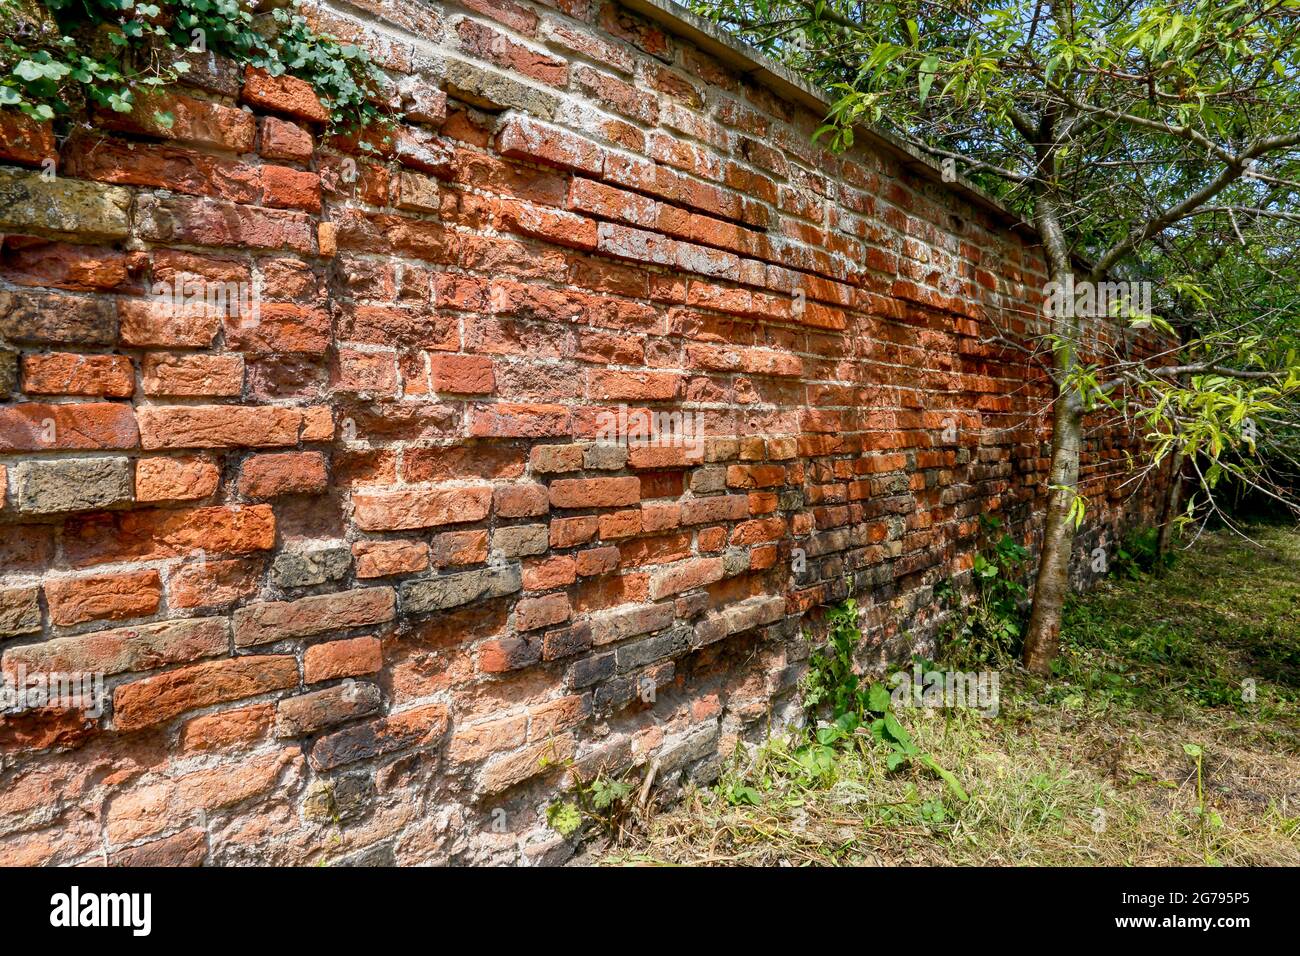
x: 858, y: 712
x: 1087, y: 769
x: 1139, y: 553
x: 56, y: 54
x: 603, y: 801
x: 1142, y: 138
x: 989, y: 629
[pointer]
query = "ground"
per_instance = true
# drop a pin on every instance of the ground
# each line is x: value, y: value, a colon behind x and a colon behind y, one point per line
x: 1096, y: 766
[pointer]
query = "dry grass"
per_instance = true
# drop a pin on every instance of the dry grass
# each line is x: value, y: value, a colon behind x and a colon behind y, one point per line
x: 1088, y: 769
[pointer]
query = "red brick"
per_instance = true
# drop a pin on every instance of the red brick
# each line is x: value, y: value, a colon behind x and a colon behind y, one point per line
x: 462, y: 374
x: 525, y: 138
x: 61, y: 373
x: 755, y: 476
x: 401, y: 509
x: 520, y: 501
x: 281, y: 139
x: 157, y: 699
x: 285, y: 188
x: 595, y: 492
x: 479, y: 741
x: 603, y: 385
x: 88, y: 425
x: 482, y: 41
x: 26, y: 140
x: 620, y: 524
x: 33, y: 262
x: 532, y: 613
x: 675, y: 578
x: 361, y: 655
x: 193, y: 376
x: 283, y: 94
x: 543, y: 574
x: 377, y: 559
x: 201, y: 122
x: 566, y: 532
x: 185, y: 478
x: 504, y: 420
x: 158, y: 322
x: 598, y: 561
x: 168, y: 532
x: 216, y: 583
x: 228, y: 728
x: 218, y: 426
x: 286, y: 473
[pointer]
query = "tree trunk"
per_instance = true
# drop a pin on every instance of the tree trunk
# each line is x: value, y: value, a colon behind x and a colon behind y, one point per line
x: 1173, y: 504
x: 1043, y: 637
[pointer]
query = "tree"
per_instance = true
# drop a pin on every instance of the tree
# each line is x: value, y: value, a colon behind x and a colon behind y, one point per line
x: 1120, y: 129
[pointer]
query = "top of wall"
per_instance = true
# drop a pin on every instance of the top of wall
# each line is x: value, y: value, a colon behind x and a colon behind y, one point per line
x: 790, y: 85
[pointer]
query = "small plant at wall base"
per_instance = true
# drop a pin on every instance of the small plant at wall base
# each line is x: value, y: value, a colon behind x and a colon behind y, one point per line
x: 59, y: 54
x: 989, y: 630
x: 859, y: 712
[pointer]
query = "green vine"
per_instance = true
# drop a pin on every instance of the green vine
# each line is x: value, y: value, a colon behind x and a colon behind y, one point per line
x: 59, y: 55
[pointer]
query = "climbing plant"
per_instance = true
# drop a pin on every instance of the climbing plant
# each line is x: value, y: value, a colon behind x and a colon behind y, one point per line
x: 59, y: 55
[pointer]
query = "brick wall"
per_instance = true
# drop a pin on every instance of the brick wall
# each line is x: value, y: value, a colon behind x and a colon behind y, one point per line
x: 360, y: 576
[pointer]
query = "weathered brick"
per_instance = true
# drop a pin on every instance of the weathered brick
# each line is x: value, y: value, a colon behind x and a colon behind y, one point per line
x: 116, y: 597
x: 308, y: 713
x: 20, y: 611
x: 286, y: 473
x: 526, y: 138
x: 72, y: 484
x: 63, y: 207
x: 534, y: 613
x: 141, y: 648
x: 61, y: 373
x: 418, y: 727
x: 520, y: 540
x: 401, y: 509
x: 157, y: 699
x: 453, y: 590
x: 684, y: 576
x: 350, y: 658
x: 182, y: 478
x: 213, y: 583
x: 595, y: 492
x: 300, y: 569
x: 282, y: 620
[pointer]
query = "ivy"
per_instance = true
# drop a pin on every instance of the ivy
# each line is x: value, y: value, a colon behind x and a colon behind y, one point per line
x: 58, y: 55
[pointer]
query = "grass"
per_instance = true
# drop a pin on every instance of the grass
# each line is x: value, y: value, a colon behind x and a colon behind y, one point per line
x: 1097, y: 766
